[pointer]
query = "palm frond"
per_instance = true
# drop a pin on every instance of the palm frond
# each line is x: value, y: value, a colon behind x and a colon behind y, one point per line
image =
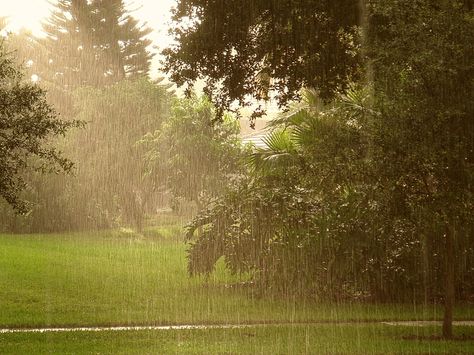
x: 279, y: 140
x: 356, y: 102
x: 279, y: 151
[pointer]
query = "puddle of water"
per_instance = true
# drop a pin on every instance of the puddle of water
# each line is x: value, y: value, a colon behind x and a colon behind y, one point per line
x: 116, y: 329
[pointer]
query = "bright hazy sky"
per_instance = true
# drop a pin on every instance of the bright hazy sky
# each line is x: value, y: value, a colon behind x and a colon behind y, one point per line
x: 30, y: 13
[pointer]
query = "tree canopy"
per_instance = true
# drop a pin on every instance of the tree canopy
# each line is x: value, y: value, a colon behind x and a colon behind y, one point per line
x: 245, y: 49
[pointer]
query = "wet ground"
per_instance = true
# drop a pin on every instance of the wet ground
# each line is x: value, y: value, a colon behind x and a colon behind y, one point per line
x: 214, y: 326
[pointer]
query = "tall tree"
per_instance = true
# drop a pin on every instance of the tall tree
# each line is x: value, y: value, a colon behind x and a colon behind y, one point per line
x: 424, y: 88
x: 69, y: 59
x: 92, y: 43
x: 122, y: 40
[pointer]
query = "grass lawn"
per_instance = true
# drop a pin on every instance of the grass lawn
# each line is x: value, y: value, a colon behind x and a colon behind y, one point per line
x: 119, y: 278
x: 297, y: 339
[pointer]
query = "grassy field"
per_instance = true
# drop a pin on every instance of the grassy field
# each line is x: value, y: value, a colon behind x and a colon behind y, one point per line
x: 298, y: 339
x: 120, y: 278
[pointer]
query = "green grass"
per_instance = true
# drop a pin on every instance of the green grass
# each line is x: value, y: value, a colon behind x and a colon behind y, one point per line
x: 120, y: 278
x: 115, y: 278
x: 297, y: 339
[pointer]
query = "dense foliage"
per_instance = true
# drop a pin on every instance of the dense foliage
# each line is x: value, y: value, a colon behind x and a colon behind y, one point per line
x: 27, y: 125
x: 110, y: 186
x: 192, y: 154
x: 314, y: 216
x: 245, y: 49
x: 424, y: 85
x: 373, y: 193
x: 297, y: 218
x: 93, y: 62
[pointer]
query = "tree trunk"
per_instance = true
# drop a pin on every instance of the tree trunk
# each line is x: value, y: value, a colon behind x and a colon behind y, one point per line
x: 365, y: 27
x: 426, y: 270
x: 449, y: 282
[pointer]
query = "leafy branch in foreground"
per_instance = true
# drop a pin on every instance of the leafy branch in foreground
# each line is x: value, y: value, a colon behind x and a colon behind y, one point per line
x: 27, y: 125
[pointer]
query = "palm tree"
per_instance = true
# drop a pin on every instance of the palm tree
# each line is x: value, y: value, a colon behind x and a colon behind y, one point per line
x: 307, y: 123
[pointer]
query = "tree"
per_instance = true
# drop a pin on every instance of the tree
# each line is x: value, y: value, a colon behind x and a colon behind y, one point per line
x: 93, y: 63
x: 322, y: 214
x: 122, y: 40
x: 111, y: 168
x: 246, y: 49
x: 293, y: 217
x: 27, y: 125
x: 92, y: 43
x: 424, y: 90
x: 110, y: 186
x: 193, y: 154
